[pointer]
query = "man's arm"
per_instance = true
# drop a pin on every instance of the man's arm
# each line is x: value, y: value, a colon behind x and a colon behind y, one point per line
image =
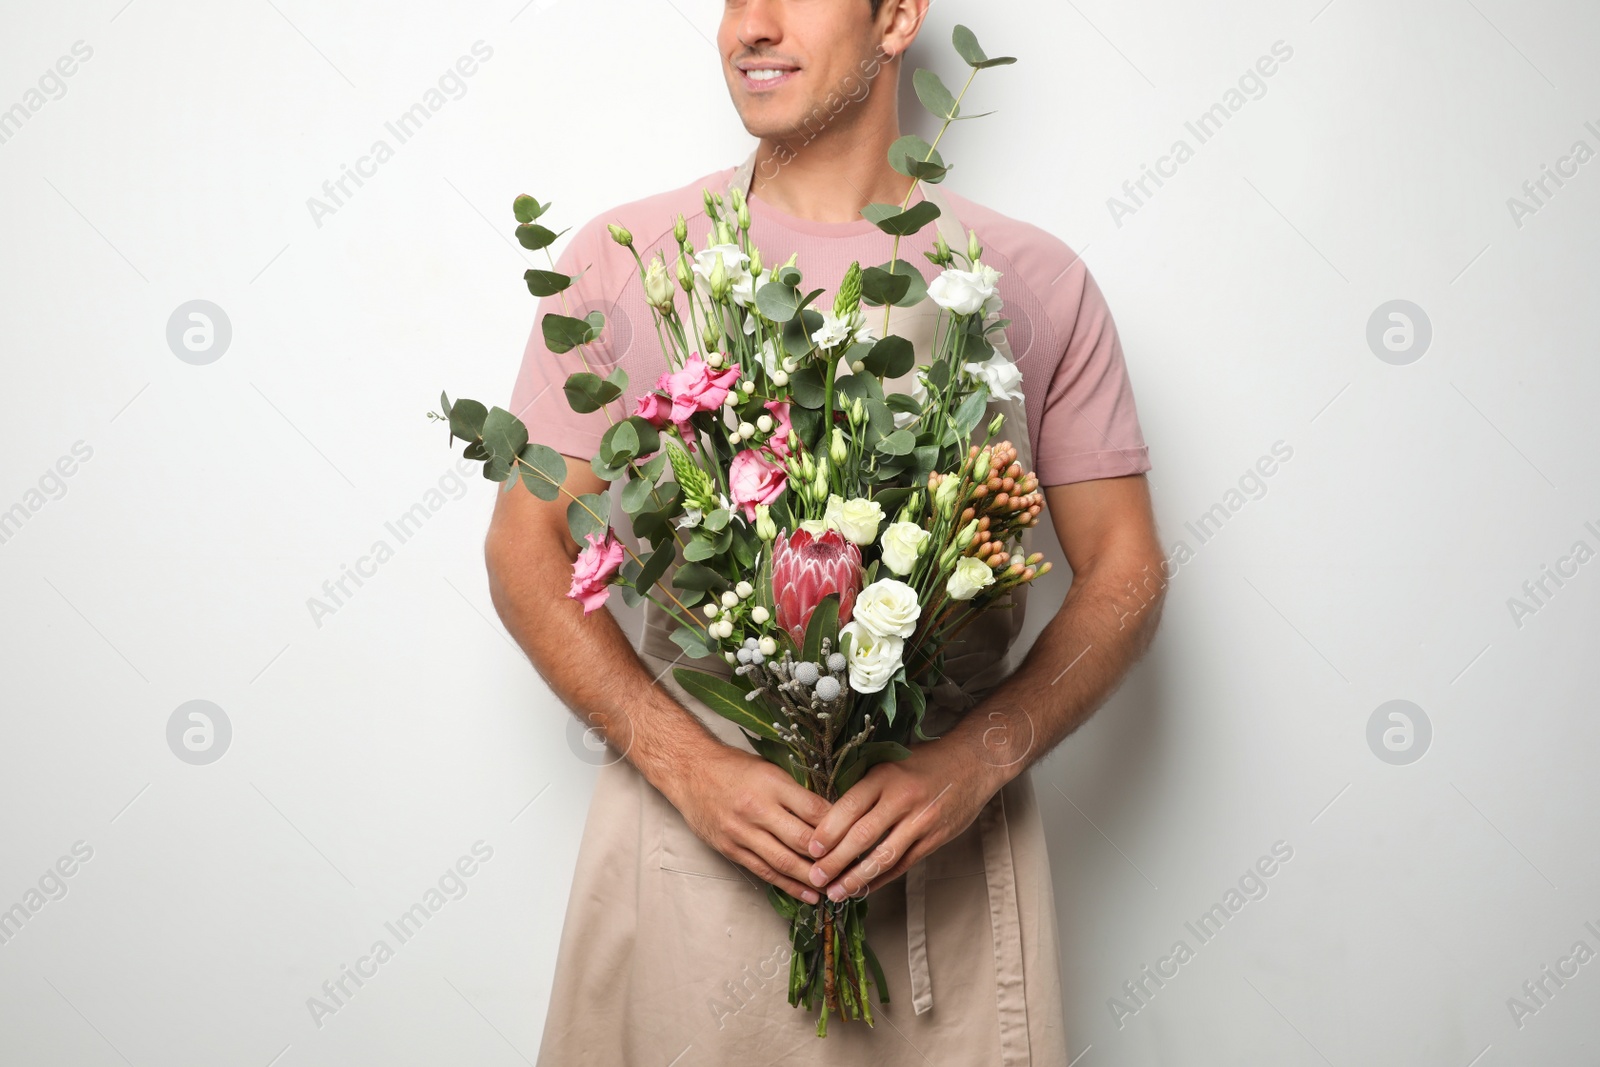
x: 1107, y: 529
x: 741, y: 805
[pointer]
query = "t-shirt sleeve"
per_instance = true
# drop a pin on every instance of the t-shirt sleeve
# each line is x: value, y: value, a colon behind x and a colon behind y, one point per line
x: 539, y: 398
x: 1090, y: 426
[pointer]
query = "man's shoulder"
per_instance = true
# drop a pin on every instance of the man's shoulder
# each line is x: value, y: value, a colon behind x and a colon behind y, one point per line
x: 1039, y: 256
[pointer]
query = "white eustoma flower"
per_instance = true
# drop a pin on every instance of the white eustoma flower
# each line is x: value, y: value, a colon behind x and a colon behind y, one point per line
x: 902, y: 543
x: 1000, y: 375
x: 771, y: 357
x: 888, y: 607
x: 971, y: 574
x: 872, y: 659
x: 735, y: 262
x: 857, y: 518
x: 967, y: 292
x: 836, y: 331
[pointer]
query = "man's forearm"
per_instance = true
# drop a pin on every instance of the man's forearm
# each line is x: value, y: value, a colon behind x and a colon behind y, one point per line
x: 588, y: 662
x: 1080, y: 657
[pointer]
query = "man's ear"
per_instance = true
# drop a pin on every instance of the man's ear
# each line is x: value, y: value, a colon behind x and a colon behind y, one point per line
x: 905, y: 22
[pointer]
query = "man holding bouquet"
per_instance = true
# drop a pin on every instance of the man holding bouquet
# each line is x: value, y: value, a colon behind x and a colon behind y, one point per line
x: 671, y: 952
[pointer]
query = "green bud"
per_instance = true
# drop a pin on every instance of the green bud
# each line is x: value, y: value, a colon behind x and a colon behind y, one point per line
x: 944, y: 496
x: 680, y: 230
x: 995, y: 423
x: 755, y: 261
x: 941, y: 251
x: 974, y: 249
x: 694, y: 481
x: 724, y: 233
x: 620, y: 235
x: 709, y: 337
x: 858, y: 412
x: 658, y: 285
x: 766, y: 529
x: 719, y: 280
x: 838, y: 450
x: 848, y: 301
x: 980, y: 466
x: 710, y: 202
x: 685, y: 273
x: 819, y: 486
x: 744, y: 217
x: 737, y: 198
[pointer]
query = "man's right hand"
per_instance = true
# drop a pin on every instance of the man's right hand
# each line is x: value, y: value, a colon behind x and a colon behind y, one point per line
x: 754, y: 814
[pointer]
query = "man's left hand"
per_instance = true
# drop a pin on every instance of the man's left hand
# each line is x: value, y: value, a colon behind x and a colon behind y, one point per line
x: 900, y: 811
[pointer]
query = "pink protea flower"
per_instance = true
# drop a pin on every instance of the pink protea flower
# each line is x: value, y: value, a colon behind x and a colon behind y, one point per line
x: 753, y: 479
x: 593, y: 570
x: 806, y: 568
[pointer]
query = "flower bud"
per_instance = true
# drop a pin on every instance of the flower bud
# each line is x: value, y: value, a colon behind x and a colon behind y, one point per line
x: 838, y: 451
x: 744, y: 217
x: 755, y: 261
x: 620, y: 235
x: 658, y: 286
x: 944, y: 497
x: 766, y: 530
x: 719, y: 280
x: 941, y: 251
x: 980, y: 466
x: 685, y: 273
x: 974, y: 249
x: 849, y: 298
x: 994, y: 423
x: 724, y: 233
x: 710, y: 337
x: 858, y: 412
x: 710, y: 202
x: 680, y: 229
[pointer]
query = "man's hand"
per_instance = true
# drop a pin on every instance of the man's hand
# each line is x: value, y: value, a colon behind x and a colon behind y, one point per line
x: 906, y: 809
x: 754, y: 814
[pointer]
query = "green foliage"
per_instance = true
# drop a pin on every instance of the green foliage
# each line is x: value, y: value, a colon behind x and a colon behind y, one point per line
x: 546, y: 282
x: 967, y: 45
x: 934, y: 96
x: 891, y: 220
x: 727, y: 700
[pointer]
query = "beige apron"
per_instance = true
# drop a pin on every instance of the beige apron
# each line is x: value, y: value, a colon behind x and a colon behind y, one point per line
x: 671, y: 954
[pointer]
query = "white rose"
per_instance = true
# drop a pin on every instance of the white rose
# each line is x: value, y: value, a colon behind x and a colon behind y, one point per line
x: 873, y: 659
x: 967, y: 292
x: 814, y: 527
x: 971, y: 574
x: 735, y: 262
x: 902, y: 543
x: 856, y: 518
x: 888, y: 607
x: 1000, y: 375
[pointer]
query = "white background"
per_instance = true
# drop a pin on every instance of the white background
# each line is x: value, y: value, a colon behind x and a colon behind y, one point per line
x: 371, y: 751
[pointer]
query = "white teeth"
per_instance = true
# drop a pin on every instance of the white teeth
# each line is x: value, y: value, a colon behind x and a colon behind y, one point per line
x: 765, y: 75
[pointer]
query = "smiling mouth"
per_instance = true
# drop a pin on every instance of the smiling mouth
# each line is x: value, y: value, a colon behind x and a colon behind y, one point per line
x: 765, y: 79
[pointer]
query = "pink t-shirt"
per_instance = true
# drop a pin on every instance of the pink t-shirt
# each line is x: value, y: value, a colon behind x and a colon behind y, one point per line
x: 1082, y: 422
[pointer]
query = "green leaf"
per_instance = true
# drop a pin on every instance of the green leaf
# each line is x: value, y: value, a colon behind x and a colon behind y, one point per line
x: 879, y: 287
x: 777, y: 301
x: 797, y: 333
x: 526, y: 208
x: 619, y: 444
x: 899, y: 443
x: 656, y: 565
x: 466, y: 419
x: 691, y: 642
x: 649, y: 441
x: 589, y: 392
x: 891, y: 357
x: 562, y: 333
x: 699, y: 549
x: 933, y: 94
x: 581, y: 522
x: 870, y: 755
x: 543, y: 471
x: 727, y: 700
x: 535, y: 237
x: 504, y: 436
x: 967, y: 45
x: 891, y: 220
x: 783, y: 902
x: 636, y: 494
x: 910, y: 150
x: 717, y: 520
x: 970, y: 411
x: 699, y: 577
x: 545, y: 282
x: 918, y: 287
x: 824, y: 623
x: 807, y: 386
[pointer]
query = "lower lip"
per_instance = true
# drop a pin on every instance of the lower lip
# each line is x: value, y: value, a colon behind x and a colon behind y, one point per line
x: 756, y: 86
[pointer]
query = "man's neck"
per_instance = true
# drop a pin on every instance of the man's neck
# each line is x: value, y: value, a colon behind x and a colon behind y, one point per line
x: 827, y: 180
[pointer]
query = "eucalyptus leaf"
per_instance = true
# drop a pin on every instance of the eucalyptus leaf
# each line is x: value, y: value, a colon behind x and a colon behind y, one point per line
x: 898, y: 443
x: 656, y: 565
x: 777, y: 301
x: 933, y: 94
x: 589, y: 514
x: 588, y: 392
x: 533, y: 237
x: 891, y: 357
x: 967, y: 45
x: 563, y: 333
x: 693, y: 645
x: 466, y: 419
x: 544, y: 470
x: 891, y: 220
x: 504, y: 436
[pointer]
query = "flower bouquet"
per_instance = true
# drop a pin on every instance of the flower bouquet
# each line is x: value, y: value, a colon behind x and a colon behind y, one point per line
x: 827, y: 539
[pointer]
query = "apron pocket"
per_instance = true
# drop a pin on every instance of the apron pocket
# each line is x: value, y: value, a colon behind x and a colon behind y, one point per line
x: 682, y: 852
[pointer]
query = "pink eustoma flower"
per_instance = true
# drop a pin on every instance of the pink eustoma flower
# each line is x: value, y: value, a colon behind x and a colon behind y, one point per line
x: 779, y: 441
x: 753, y: 479
x: 805, y: 569
x: 694, y: 387
x: 593, y: 570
